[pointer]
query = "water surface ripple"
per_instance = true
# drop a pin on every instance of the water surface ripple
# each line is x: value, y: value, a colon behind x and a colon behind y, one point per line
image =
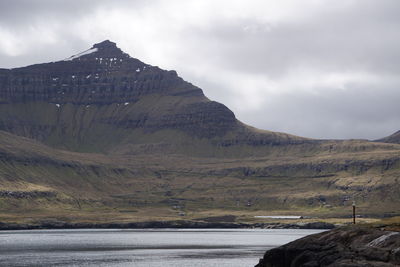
x: 141, y: 247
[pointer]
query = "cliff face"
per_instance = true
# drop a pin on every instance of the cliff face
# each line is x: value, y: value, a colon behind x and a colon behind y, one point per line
x: 339, y: 247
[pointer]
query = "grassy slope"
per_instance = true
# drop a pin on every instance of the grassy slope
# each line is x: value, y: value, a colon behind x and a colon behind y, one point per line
x: 117, y: 187
x: 108, y: 128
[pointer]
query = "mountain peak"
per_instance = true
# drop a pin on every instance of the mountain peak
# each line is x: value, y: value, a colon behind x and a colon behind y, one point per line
x: 103, y: 74
x: 106, y: 44
x: 108, y: 47
x: 103, y: 49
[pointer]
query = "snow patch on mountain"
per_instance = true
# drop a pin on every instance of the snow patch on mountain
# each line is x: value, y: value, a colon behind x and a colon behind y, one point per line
x: 87, y: 52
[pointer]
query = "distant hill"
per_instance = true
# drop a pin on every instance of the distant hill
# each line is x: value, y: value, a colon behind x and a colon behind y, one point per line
x: 104, y: 137
x: 394, y: 138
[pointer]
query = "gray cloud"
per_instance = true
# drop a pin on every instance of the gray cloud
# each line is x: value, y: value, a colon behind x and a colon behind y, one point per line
x: 360, y: 112
x: 364, y: 36
x: 320, y: 69
x: 22, y: 13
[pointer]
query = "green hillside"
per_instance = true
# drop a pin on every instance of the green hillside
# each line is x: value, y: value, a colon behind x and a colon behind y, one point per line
x: 39, y: 182
x: 107, y: 138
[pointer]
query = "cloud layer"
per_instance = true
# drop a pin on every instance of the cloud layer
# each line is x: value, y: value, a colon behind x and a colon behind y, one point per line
x: 314, y: 68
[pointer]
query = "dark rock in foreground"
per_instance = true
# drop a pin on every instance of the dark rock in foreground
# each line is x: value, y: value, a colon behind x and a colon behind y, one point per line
x: 351, y: 246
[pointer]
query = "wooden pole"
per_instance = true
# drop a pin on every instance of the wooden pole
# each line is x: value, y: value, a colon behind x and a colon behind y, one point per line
x: 354, y: 212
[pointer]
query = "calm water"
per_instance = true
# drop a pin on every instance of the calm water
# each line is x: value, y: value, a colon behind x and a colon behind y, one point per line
x: 141, y: 247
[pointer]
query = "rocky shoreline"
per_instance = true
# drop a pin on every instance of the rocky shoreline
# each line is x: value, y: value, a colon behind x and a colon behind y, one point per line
x: 345, y: 246
x: 53, y: 224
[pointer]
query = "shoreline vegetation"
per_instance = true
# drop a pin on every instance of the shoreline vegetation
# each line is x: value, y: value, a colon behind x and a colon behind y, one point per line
x: 179, y: 224
x: 216, y: 222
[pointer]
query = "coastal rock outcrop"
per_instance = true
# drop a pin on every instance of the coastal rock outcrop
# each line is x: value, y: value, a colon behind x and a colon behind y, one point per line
x: 350, y: 246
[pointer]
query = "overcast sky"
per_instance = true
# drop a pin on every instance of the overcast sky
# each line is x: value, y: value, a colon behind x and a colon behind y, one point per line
x: 314, y: 68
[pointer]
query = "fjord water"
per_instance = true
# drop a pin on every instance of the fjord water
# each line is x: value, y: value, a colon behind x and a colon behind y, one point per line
x: 143, y: 247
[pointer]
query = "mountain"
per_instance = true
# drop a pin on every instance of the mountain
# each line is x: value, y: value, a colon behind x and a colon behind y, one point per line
x: 394, y: 138
x: 103, y: 100
x: 104, y: 137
